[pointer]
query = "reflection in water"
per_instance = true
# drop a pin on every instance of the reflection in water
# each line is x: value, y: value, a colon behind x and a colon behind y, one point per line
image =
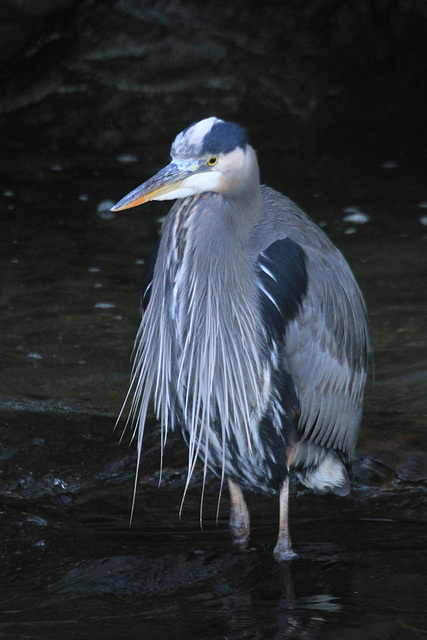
x: 331, y: 592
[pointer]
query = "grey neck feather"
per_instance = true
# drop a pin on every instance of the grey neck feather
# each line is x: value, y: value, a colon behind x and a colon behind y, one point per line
x: 218, y: 394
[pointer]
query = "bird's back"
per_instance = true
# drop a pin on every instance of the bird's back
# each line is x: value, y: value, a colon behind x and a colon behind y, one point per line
x: 325, y: 346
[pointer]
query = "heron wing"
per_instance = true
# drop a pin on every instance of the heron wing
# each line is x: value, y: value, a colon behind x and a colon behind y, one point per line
x: 313, y: 309
x: 326, y: 350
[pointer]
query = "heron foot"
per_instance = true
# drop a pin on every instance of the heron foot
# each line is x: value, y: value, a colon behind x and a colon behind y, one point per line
x: 239, y: 517
x: 239, y: 528
x: 283, y: 551
x: 240, y: 545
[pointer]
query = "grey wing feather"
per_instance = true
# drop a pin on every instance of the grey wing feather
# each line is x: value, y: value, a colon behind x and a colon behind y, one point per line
x: 326, y: 345
x: 326, y: 352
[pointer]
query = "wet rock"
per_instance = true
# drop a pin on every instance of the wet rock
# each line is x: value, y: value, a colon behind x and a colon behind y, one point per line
x: 131, y: 575
x: 46, y: 466
x: 397, y: 443
x: 153, y: 60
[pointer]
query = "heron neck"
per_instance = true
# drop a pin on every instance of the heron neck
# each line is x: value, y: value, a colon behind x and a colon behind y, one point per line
x: 246, y: 199
x: 207, y: 238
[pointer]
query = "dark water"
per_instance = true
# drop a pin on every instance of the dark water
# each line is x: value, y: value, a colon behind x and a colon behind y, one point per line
x: 71, y: 566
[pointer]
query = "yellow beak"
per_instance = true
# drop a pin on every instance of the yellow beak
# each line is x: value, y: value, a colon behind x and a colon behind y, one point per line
x: 166, y: 181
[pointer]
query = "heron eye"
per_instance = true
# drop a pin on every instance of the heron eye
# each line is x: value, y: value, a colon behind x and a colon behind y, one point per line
x: 212, y: 161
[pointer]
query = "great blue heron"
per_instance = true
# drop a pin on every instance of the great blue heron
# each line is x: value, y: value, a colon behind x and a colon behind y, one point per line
x: 254, y: 338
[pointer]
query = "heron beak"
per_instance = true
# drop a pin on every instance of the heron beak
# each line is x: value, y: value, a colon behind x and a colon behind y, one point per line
x: 167, y: 184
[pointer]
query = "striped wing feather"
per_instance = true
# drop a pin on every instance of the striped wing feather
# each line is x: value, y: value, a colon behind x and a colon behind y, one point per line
x: 324, y: 345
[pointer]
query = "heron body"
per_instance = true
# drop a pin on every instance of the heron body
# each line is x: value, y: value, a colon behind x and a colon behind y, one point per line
x: 254, y: 338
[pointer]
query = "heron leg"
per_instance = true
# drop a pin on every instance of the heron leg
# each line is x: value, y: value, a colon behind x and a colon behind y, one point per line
x: 239, y: 516
x: 283, y: 548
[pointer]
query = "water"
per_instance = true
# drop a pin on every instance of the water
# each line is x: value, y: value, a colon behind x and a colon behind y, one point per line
x: 71, y: 566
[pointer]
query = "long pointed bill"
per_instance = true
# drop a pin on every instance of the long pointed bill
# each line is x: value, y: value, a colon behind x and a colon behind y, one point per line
x: 167, y: 184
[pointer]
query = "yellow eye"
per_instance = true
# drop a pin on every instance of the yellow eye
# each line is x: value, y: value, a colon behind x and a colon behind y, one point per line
x: 212, y: 161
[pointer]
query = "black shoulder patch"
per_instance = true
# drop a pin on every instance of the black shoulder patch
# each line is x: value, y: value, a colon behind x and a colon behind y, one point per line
x: 282, y: 274
x: 224, y: 137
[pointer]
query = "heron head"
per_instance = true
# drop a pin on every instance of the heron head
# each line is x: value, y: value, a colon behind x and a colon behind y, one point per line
x: 210, y: 155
